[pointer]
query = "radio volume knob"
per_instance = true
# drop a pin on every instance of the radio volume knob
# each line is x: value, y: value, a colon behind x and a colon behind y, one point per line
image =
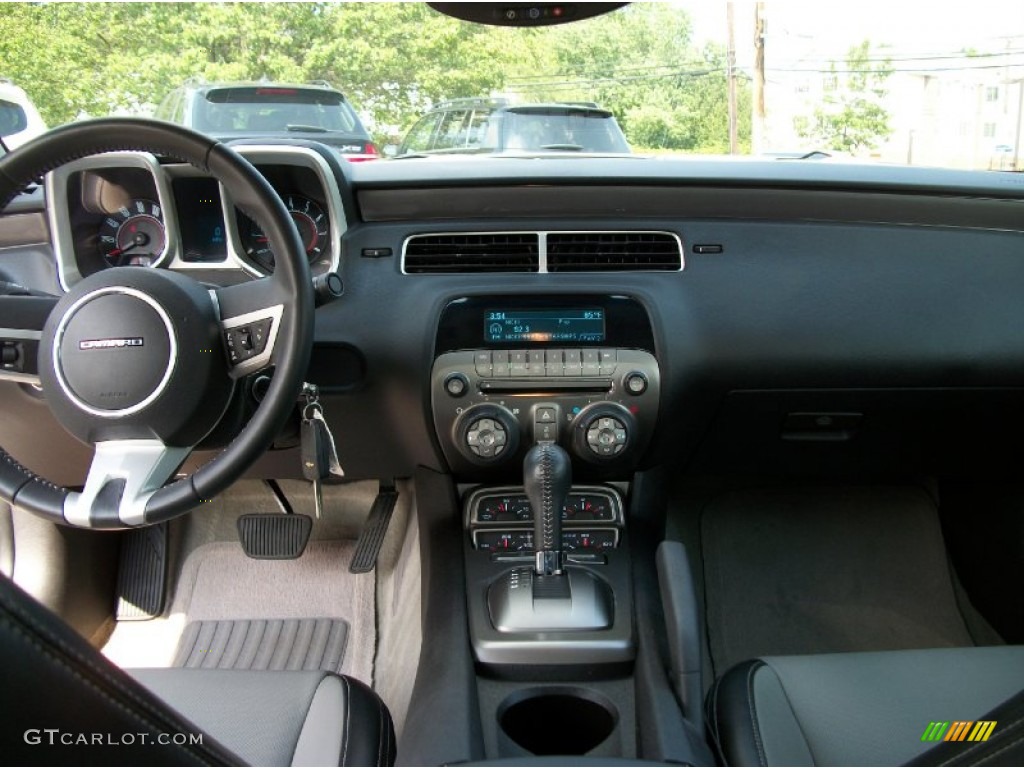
x: 635, y: 383
x: 456, y: 384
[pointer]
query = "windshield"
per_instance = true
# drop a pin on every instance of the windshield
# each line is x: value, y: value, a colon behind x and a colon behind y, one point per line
x: 897, y: 82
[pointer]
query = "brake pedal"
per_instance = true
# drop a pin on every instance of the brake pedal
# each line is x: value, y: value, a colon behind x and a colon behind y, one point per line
x: 371, y: 539
x: 275, y: 536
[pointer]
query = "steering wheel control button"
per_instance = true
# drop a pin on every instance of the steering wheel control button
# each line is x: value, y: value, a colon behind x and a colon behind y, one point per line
x: 456, y: 385
x: 115, y: 350
x: 10, y: 356
x: 247, y: 341
x: 635, y: 383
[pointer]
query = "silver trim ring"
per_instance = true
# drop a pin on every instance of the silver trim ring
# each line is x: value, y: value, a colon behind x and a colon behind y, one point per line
x: 59, y: 337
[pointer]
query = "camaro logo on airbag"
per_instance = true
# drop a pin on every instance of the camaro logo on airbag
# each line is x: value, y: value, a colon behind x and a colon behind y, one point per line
x: 133, y: 341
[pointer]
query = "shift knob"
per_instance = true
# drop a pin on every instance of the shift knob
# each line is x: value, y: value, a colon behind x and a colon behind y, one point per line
x: 547, y: 478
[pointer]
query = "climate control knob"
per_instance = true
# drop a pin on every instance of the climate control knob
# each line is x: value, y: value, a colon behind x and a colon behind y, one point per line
x: 603, y: 432
x: 487, y: 433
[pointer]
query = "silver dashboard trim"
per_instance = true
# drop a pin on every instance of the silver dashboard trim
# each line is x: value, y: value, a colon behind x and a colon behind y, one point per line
x: 303, y: 157
x: 58, y: 212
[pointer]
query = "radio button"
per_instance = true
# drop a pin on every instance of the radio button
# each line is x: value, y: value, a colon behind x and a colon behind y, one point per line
x: 535, y: 362
x: 517, y: 363
x: 500, y: 367
x: 573, y: 363
x: 482, y: 360
x: 607, y: 363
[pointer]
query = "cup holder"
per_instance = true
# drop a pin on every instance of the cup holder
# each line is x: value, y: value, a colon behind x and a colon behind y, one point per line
x: 557, y: 720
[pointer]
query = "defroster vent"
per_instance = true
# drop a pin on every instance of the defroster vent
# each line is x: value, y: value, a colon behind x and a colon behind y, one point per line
x: 460, y: 253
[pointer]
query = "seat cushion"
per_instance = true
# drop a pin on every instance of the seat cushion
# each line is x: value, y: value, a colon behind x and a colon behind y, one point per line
x: 280, y: 718
x: 854, y: 708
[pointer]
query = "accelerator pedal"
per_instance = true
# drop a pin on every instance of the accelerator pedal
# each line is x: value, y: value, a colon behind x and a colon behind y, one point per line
x: 275, y: 536
x: 142, y: 573
x: 371, y: 539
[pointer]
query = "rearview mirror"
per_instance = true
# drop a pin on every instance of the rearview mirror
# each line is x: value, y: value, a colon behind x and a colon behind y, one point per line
x: 523, y: 14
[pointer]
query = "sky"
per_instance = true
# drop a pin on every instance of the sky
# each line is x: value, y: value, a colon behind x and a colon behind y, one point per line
x: 832, y: 26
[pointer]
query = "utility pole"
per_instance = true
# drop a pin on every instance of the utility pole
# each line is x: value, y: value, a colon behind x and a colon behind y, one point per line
x: 731, y: 75
x: 757, y: 129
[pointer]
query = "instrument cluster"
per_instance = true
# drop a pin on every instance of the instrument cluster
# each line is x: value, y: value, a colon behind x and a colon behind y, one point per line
x: 129, y: 209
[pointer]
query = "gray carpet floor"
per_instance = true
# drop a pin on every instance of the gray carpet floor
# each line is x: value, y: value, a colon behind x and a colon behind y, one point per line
x: 219, y: 583
x: 794, y: 571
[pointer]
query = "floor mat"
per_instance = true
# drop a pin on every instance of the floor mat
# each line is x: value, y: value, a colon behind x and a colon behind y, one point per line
x: 220, y: 587
x: 274, y: 644
x: 826, y: 570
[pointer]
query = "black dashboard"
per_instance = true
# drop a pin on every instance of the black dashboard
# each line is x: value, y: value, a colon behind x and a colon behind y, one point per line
x: 820, y: 318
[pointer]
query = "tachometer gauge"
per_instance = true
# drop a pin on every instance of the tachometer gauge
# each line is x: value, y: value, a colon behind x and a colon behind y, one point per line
x: 133, y: 235
x: 311, y: 221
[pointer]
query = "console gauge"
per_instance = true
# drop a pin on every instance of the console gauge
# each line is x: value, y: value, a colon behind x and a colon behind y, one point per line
x: 588, y: 541
x: 583, y: 507
x: 504, y: 541
x: 134, y: 235
x: 504, y: 509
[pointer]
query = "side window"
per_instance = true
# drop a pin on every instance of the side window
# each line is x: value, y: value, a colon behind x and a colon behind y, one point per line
x: 452, y: 132
x: 418, y: 139
x: 482, y: 133
x: 178, y: 116
x: 166, y: 109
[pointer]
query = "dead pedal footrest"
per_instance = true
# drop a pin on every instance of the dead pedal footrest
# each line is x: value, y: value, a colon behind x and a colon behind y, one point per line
x: 142, y: 573
x: 371, y: 539
x: 274, y: 537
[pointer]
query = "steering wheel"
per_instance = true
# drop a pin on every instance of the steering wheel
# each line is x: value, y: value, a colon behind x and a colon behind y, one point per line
x: 142, y: 363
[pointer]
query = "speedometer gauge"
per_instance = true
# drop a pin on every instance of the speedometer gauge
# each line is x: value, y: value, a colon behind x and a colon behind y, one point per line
x: 133, y: 235
x: 311, y: 221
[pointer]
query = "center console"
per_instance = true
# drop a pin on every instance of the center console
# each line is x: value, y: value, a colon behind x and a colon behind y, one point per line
x: 577, y: 370
x: 543, y: 407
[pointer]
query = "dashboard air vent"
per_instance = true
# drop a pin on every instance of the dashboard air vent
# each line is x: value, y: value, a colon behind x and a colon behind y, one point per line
x: 613, y: 252
x: 460, y: 253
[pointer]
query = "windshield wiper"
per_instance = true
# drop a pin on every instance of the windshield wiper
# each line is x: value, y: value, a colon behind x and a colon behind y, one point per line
x: 566, y: 147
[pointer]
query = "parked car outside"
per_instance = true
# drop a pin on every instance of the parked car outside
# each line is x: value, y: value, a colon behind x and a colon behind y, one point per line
x: 19, y: 119
x: 491, y: 126
x: 228, y: 111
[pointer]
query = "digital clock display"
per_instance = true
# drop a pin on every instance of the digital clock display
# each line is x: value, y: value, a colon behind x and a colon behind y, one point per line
x: 562, y: 326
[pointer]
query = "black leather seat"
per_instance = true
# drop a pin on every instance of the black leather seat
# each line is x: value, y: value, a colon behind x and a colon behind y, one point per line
x: 870, y: 708
x: 62, y: 703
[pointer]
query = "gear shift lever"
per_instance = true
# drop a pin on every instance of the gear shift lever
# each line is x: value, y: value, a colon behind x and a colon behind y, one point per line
x: 549, y: 597
x: 547, y: 478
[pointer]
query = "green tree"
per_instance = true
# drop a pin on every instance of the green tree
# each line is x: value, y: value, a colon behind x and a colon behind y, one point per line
x: 851, y: 116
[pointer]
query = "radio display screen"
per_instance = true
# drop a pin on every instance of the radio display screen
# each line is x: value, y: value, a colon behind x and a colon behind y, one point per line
x: 574, y: 326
